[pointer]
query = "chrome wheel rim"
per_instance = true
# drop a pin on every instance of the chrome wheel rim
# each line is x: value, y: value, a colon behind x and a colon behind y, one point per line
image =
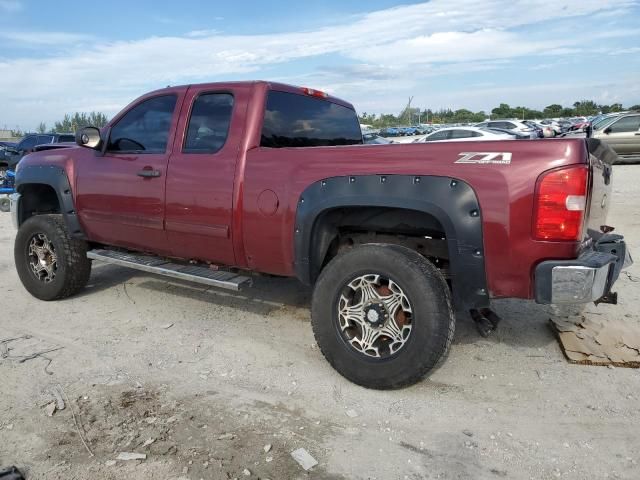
x: 374, y: 316
x: 42, y: 258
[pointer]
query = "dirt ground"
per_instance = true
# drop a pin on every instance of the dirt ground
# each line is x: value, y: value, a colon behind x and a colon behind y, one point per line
x: 201, y: 381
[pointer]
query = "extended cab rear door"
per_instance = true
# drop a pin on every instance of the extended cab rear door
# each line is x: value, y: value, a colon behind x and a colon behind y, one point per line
x: 202, y: 168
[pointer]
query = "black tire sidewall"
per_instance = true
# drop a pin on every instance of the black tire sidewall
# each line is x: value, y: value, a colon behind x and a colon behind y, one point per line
x: 432, y: 320
x: 37, y: 288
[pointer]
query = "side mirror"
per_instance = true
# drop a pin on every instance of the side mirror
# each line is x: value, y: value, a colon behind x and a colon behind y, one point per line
x: 89, y: 137
x: 607, y: 130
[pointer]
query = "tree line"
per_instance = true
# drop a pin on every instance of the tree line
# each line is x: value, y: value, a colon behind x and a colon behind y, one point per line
x: 412, y: 116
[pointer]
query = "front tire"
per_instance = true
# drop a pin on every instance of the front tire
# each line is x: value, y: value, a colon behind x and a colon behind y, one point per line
x: 382, y: 316
x: 51, y: 263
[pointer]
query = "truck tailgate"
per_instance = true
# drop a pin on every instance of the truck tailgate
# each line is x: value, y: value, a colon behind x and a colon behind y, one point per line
x: 601, y: 158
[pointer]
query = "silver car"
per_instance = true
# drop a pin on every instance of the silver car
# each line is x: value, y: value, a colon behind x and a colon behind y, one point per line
x: 515, y: 126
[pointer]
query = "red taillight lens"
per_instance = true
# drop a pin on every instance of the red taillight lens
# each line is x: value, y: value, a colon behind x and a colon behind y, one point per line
x: 560, y: 202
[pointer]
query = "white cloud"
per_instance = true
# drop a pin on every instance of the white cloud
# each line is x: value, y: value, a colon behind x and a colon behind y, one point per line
x: 392, y: 50
x: 10, y: 6
x: 28, y: 39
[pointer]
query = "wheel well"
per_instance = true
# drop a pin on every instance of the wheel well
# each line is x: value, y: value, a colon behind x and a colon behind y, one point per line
x: 37, y: 199
x: 341, y: 228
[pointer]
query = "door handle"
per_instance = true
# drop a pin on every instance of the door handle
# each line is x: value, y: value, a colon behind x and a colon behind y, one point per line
x: 148, y: 173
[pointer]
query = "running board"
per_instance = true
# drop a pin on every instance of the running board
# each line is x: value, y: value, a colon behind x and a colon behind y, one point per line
x: 160, y: 266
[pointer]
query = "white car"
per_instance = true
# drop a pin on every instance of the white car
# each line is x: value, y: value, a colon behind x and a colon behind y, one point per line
x: 465, y: 134
x: 515, y: 126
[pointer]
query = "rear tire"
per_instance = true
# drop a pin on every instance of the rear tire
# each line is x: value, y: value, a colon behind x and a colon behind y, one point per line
x: 51, y: 263
x: 411, y: 300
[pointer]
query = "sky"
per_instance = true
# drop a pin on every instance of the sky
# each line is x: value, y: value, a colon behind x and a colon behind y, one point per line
x: 67, y: 56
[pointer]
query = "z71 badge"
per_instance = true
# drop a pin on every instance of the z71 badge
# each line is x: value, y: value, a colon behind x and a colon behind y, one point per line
x: 500, y: 158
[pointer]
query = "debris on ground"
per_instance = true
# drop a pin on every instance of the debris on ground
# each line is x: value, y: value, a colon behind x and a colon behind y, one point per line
x: 50, y: 409
x: 246, y: 472
x: 131, y: 456
x: 351, y: 413
x: 167, y: 326
x: 148, y: 442
x: 304, y: 458
x: 267, y: 448
x: 612, y: 342
x: 227, y: 436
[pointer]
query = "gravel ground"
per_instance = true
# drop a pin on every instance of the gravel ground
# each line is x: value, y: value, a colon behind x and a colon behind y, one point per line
x: 201, y: 381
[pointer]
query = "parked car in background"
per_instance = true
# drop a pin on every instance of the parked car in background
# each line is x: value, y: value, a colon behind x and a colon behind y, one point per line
x: 375, y: 139
x: 465, y: 134
x: 13, y: 155
x: 555, y: 125
x: 622, y: 134
x: 514, y: 126
x: 389, y: 132
x: 547, y: 130
x: 539, y: 129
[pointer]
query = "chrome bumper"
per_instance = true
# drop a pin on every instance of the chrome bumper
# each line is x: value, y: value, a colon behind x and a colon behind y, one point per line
x: 15, y: 204
x: 588, y: 278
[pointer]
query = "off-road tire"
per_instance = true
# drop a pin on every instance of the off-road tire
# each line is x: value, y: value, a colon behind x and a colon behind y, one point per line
x: 433, y: 322
x: 73, y: 266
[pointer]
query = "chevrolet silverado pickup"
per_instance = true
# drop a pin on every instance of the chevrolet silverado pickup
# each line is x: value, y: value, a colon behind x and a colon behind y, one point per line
x: 217, y: 182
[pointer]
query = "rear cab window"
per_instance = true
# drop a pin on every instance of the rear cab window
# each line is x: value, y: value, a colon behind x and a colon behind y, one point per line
x: 293, y: 120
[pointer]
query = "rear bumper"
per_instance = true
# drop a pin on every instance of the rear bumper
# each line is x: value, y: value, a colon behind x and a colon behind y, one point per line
x: 588, y: 278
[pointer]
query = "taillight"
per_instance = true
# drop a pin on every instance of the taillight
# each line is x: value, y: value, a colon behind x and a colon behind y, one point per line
x: 560, y: 203
x: 315, y: 93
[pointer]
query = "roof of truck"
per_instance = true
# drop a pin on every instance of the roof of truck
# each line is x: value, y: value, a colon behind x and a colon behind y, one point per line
x: 283, y: 87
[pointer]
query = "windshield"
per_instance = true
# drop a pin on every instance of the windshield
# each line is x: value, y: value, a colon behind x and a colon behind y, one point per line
x: 603, y: 122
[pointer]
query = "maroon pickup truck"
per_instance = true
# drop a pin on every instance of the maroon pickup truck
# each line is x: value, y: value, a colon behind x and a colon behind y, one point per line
x: 211, y: 182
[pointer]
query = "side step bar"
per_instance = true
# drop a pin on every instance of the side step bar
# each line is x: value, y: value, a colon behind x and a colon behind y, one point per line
x: 160, y: 266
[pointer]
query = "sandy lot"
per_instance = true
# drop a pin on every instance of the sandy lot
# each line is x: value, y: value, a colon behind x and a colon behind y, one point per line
x: 202, y: 380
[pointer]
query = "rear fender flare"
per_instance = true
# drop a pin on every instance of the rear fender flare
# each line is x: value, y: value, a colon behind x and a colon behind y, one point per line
x: 451, y: 201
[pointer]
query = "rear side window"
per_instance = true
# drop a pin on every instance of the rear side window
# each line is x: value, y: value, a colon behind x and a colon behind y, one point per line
x: 209, y: 123
x: 42, y: 139
x: 28, y: 142
x: 292, y: 120
x: 626, y: 124
x: 66, y: 138
x: 464, y: 134
x: 443, y: 135
x: 144, y: 128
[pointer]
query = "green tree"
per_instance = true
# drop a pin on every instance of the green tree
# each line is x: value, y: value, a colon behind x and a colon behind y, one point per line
x: 634, y: 107
x: 42, y: 127
x: 503, y: 111
x: 586, y: 107
x: 553, y: 110
x: 72, y: 122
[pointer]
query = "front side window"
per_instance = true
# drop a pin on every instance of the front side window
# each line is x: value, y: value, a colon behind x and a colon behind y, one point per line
x: 42, y: 139
x: 293, y: 120
x: 626, y: 124
x: 144, y: 128
x: 66, y: 138
x: 209, y: 123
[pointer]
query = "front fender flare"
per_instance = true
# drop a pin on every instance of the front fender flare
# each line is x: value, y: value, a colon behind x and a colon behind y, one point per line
x: 56, y: 178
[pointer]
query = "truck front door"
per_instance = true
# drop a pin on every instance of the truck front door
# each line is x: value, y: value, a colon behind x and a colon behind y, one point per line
x: 121, y: 194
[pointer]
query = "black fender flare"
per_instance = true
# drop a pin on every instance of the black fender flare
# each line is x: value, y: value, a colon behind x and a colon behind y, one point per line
x: 450, y: 200
x: 56, y: 178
